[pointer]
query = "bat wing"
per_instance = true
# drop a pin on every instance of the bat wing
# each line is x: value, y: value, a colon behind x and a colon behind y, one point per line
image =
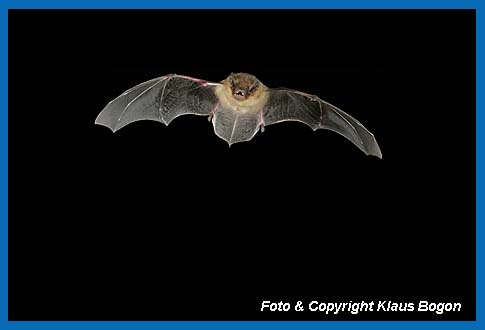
x: 160, y: 99
x: 290, y: 105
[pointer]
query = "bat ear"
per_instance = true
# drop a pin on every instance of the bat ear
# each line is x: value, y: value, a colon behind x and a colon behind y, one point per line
x: 254, y: 85
x: 231, y: 80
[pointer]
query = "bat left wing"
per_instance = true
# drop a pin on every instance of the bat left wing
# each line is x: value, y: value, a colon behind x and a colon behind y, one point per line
x: 290, y: 105
x: 161, y: 99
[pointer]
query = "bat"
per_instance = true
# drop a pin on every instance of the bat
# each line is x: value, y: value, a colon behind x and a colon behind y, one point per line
x: 238, y: 107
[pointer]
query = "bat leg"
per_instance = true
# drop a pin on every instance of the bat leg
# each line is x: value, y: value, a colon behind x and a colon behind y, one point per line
x: 261, y: 125
x: 213, y: 111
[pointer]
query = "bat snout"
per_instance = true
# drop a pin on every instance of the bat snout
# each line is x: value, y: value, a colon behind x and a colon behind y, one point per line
x: 239, y: 94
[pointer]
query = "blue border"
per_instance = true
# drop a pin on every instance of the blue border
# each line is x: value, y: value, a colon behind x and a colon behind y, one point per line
x: 330, y: 4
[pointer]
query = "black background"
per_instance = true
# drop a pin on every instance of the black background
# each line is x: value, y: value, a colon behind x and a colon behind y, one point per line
x: 168, y: 223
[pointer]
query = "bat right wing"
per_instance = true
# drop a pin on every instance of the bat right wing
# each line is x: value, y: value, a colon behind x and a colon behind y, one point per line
x: 161, y: 99
x: 290, y: 105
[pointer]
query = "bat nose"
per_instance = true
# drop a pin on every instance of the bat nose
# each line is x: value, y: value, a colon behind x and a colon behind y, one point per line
x: 239, y: 94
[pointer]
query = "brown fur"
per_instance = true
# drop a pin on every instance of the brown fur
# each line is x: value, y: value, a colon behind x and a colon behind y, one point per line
x: 253, y: 102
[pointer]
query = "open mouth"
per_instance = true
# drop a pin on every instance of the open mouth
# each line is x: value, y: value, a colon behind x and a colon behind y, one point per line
x: 239, y: 94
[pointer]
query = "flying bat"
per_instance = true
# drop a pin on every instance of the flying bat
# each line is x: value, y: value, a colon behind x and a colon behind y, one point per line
x: 238, y: 107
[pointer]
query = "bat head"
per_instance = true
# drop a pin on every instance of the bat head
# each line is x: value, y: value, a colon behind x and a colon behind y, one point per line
x: 242, y: 85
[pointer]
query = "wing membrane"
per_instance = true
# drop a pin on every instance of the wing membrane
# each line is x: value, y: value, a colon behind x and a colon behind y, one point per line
x: 290, y: 105
x: 162, y: 99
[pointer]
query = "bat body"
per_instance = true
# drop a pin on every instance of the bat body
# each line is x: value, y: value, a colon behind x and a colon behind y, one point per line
x: 238, y: 108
